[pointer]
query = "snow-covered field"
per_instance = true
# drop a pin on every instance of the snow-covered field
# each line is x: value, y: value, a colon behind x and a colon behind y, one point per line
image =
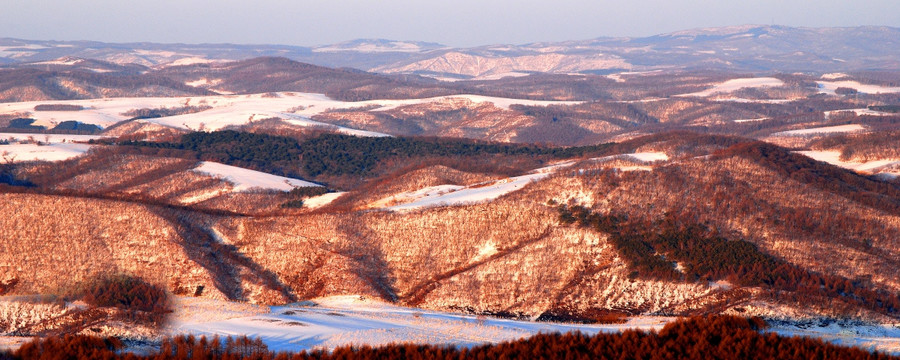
x: 737, y: 84
x: 858, y: 112
x: 822, y: 130
x: 834, y: 158
x: 453, y: 195
x: 749, y: 120
x: 828, y: 87
x: 884, y: 338
x: 246, y: 179
x: 450, y: 195
x: 229, y: 110
x: 32, y: 152
x: 647, y: 157
x: 47, y: 138
x: 316, y: 202
x: 331, y: 322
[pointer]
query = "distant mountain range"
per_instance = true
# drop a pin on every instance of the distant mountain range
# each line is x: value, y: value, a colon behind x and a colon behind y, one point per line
x: 751, y: 48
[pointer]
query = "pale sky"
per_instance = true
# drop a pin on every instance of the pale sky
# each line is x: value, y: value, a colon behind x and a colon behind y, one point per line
x: 454, y: 23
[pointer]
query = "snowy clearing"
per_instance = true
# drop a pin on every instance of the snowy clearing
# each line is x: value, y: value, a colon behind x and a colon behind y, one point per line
x: 452, y: 195
x: 410, y: 196
x: 316, y: 202
x: 32, y: 152
x: 650, y: 156
x: 834, y: 76
x: 471, y: 195
x: 749, y: 120
x: 874, y: 337
x: 834, y: 158
x: 231, y: 110
x: 822, y: 130
x: 246, y: 179
x: 737, y: 84
x: 335, y: 321
x: 828, y: 87
x: 858, y: 112
x: 48, y: 138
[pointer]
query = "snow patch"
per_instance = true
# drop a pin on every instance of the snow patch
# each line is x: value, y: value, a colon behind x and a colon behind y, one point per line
x: 48, y: 138
x: 32, y: 152
x: 316, y: 202
x: 246, y: 179
x: 834, y: 158
x: 823, y: 130
x: 737, y: 84
x: 828, y: 87
x: 858, y: 112
x: 477, y: 193
x: 327, y: 323
x: 834, y: 76
x: 749, y: 120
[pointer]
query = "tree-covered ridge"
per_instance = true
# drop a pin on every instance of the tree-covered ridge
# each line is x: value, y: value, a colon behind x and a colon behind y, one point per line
x: 652, y: 250
x: 335, y: 155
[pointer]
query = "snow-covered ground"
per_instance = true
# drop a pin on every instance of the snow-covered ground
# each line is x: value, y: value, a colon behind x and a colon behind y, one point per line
x: 229, y: 110
x: 858, y: 112
x: 246, y: 179
x: 453, y: 195
x: 331, y: 322
x: 450, y: 195
x: 834, y: 76
x: 828, y: 87
x: 316, y: 202
x: 749, y: 120
x: 648, y: 156
x: 822, y: 130
x: 737, y: 84
x: 32, y: 152
x: 834, y: 158
x: 47, y: 138
x: 884, y: 338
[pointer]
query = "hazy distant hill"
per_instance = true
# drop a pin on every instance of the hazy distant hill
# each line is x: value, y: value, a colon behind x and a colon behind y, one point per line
x: 744, y: 48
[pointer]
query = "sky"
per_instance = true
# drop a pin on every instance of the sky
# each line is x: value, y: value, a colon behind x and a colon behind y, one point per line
x: 453, y: 23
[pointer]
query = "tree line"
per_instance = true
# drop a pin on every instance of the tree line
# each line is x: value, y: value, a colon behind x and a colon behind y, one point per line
x: 336, y: 154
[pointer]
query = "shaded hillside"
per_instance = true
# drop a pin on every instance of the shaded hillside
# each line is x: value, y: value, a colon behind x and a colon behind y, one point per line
x: 268, y: 74
x: 29, y: 84
x: 799, y: 238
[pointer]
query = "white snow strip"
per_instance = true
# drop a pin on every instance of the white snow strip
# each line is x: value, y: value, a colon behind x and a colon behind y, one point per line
x: 749, y: 120
x: 452, y: 195
x: 246, y: 179
x: 834, y: 158
x: 410, y: 196
x: 32, y: 152
x: 193, y: 60
x: 331, y: 322
x: 231, y: 110
x: 822, y: 130
x: 48, y: 138
x: 884, y: 338
x: 737, y: 84
x: 316, y: 202
x: 649, y: 156
x: 828, y: 87
x: 60, y: 61
x: 858, y: 112
x: 834, y: 76
x: 640, y: 156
